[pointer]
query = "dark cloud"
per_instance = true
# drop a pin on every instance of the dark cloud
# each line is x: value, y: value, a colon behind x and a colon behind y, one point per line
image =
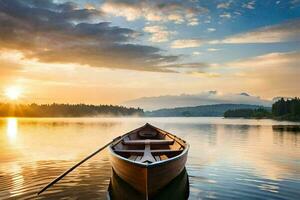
x: 53, y: 32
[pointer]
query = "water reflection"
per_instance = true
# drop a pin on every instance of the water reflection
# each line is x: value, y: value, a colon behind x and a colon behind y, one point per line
x: 242, y: 159
x: 12, y: 128
x: 286, y: 134
x: 176, y: 189
x: 286, y: 128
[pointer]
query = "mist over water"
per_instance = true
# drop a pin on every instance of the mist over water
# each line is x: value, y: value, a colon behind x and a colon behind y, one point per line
x: 228, y: 158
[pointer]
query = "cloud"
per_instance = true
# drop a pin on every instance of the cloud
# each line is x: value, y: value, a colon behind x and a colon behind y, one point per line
x: 203, y: 98
x: 286, y: 60
x: 224, y: 5
x: 61, y: 33
x: 186, y: 43
x: 213, y: 49
x: 276, y: 73
x: 284, y: 32
x: 211, y: 29
x: 159, y: 33
x: 225, y: 15
x: 294, y: 3
x: 197, y: 53
x: 8, y: 66
x: 155, y: 10
x: 249, y: 5
x: 206, y: 74
x: 190, y: 66
x: 193, y: 22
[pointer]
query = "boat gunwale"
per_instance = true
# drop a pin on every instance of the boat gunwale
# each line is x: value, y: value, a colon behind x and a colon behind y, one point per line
x: 157, y: 163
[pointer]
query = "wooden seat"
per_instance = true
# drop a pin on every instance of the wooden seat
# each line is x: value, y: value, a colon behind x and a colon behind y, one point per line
x: 131, y: 151
x: 151, y: 142
x: 141, y: 152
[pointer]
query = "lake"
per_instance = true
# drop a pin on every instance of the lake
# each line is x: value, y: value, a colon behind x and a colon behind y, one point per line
x: 228, y: 158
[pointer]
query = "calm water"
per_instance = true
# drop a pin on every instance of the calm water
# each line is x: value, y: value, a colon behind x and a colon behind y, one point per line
x: 228, y: 158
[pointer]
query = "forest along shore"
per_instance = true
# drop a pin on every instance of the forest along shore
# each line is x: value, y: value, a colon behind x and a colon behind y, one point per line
x: 283, y: 109
x: 66, y: 110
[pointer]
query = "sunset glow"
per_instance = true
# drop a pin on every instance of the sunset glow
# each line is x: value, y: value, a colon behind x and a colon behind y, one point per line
x: 115, y: 51
x: 13, y: 93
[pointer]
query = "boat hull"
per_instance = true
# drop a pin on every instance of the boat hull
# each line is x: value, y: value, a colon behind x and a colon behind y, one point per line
x: 178, y: 189
x: 148, y: 179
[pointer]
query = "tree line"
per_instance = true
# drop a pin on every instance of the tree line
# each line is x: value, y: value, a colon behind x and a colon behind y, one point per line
x: 287, y: 109
x: 283, y: 109
x: 65, y: 110
x: 248, y: 113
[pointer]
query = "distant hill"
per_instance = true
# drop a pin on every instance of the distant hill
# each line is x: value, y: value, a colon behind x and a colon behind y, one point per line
x: 189, y: 100
x: 216, y: 110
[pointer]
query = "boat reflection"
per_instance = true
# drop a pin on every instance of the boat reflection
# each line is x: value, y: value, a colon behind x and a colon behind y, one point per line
x: 177, y: 189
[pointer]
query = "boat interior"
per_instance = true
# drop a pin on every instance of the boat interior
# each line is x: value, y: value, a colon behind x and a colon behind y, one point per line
x: 149, y: 144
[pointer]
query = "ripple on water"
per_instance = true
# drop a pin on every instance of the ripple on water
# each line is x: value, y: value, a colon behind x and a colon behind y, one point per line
x: 90, y: 180
x: 227, y: 160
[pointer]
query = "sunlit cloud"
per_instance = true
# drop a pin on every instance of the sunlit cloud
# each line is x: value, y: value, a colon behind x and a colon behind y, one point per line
x: 274, y: 72
x: 213, y: 49
x: 193, y: 22
x: 159, y: 33
x: 197, y: 53
x: 54, y: 47
x: 288, y: 60
x: 225, y: 15
x: 206, y: 74
x: 249, y: 5
x: 287, y: 31
x: 9, y: 69
x: 224, y: 5
x: 176, y: 11
x: 186, y: 43
x: 61, y: 41
x: 211, y: 29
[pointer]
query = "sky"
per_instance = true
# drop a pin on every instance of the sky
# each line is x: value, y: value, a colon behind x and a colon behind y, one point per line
x: 112, y: 51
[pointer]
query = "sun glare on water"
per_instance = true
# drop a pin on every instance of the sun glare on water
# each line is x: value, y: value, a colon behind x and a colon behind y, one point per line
x: 13, y: 93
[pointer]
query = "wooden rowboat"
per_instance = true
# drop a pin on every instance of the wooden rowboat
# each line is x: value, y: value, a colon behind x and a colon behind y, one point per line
x: 177, y: 189
x: 148, y: 158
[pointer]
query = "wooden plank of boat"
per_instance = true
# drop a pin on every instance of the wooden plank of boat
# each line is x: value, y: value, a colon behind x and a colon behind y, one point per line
x: 177, y: 189
x: 148, y: 158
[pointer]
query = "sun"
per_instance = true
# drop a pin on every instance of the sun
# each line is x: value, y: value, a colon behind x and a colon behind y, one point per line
x: 13, y: 93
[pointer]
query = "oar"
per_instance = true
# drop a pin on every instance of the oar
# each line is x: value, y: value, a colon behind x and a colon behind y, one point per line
x: 72, y: 168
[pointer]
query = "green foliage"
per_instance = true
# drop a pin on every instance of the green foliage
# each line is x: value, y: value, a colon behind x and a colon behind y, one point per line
x: 65, y: 110
x: 248, y: 113
x: 288, y: 109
